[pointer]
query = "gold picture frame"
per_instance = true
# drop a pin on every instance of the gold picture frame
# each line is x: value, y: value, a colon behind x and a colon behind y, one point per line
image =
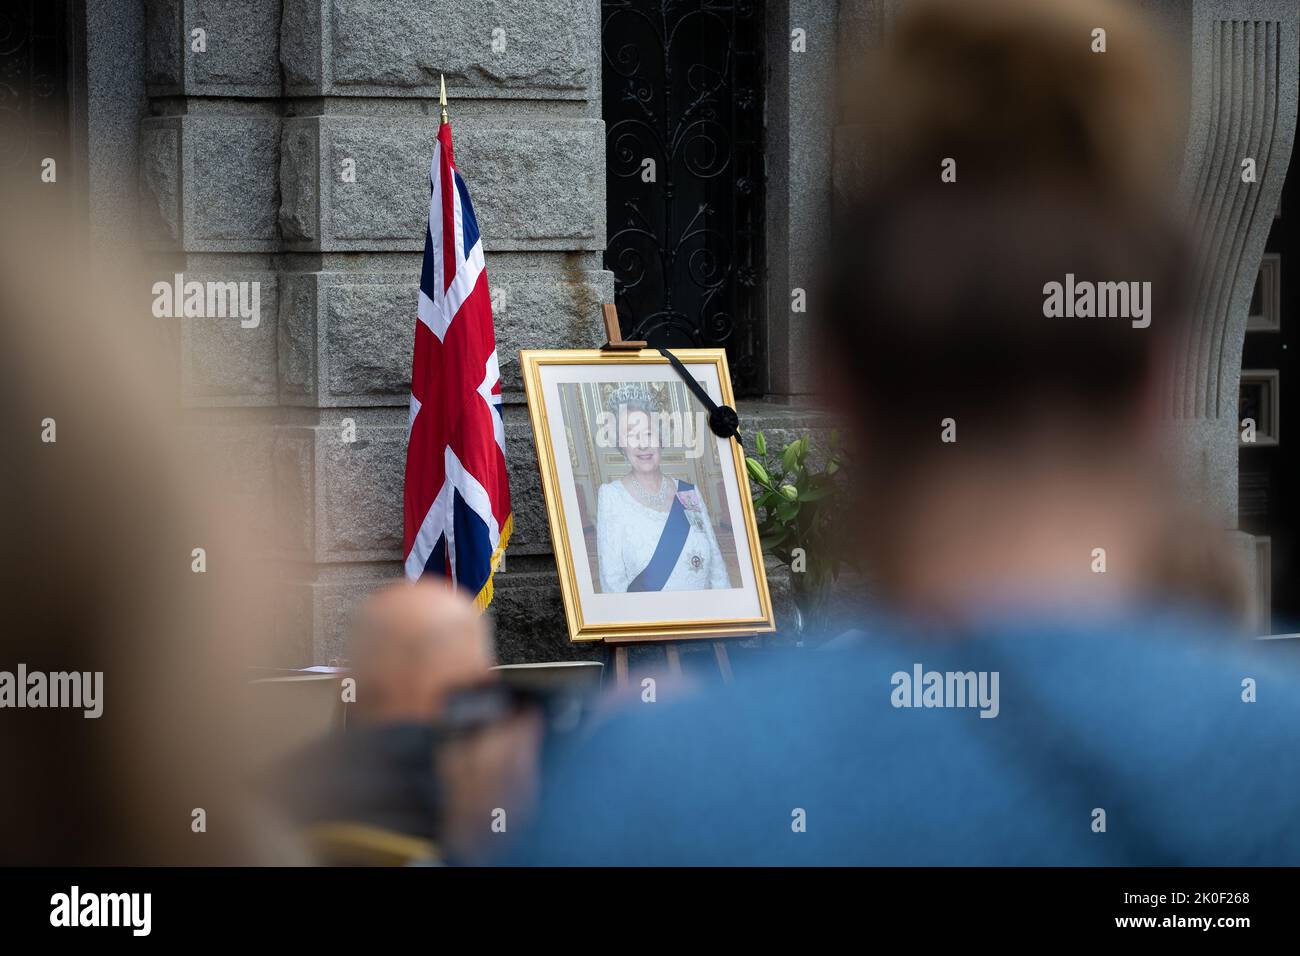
x: 660, y: 615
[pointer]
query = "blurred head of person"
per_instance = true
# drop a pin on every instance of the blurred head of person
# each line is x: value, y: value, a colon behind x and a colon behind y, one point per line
x: 417, y: 650
x: 1004, y: 435
x: 412, y: 646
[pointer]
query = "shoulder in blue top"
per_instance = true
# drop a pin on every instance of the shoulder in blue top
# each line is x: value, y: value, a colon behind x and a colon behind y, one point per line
x: 809, y: 761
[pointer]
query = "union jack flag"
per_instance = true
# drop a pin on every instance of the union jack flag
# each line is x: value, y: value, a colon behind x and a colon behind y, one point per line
x: 457, y: 499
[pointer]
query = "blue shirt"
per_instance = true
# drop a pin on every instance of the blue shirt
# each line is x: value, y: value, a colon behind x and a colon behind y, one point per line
x: 1134, y: 723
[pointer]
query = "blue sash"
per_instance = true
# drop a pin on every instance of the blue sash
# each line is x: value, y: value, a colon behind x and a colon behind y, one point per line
x: 671, y: 541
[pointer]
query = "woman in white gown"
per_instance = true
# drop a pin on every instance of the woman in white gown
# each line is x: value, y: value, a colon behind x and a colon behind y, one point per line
x: 653, y: 532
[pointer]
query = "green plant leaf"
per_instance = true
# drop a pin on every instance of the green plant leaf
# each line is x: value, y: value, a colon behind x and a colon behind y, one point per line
x: 769, y: 541
x: 790, y: 457
x: 757, y: 471
x: 816, y: 494
x: 787, y: 510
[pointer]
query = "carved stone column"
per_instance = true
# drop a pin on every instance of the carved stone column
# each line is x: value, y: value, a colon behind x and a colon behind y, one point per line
x: 1243, y: 106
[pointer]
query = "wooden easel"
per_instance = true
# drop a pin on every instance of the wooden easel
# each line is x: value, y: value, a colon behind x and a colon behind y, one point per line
x: 673, y: 653
x: 614, y: 342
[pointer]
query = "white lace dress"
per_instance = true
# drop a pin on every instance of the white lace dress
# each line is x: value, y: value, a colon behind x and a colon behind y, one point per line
x: 627, y: 533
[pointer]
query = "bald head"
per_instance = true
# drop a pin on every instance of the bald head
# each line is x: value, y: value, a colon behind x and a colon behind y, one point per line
x: 412, y: 645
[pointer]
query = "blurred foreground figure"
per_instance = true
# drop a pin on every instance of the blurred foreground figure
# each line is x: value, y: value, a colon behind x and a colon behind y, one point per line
x: 1047, y: 678
x: 417, y: 650
x: 124, y: 560
x: 413, y: 646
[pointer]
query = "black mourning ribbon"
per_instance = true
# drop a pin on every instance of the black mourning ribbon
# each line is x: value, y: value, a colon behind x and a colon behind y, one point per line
x: 723, y: 420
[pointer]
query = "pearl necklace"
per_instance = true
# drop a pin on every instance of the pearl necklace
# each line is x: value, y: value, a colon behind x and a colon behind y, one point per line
x: 657, y: 499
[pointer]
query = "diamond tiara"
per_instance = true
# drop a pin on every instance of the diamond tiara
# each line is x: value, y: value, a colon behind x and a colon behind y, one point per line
x: 631, y: 393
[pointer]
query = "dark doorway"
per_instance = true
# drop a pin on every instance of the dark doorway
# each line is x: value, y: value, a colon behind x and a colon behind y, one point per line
x: 34, y: 120
x: 683, y: 109
x: 41, y: 61
x: 1268, y: 469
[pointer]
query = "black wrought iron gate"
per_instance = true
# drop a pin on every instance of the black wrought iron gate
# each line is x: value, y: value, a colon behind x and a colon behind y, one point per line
x: 683, y: 108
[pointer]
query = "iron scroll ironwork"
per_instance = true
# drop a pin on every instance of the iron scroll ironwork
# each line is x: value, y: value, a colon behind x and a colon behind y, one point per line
x: 684, y: 177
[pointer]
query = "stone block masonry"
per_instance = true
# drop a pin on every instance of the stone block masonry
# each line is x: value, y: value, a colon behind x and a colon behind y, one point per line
x: 288, y: 144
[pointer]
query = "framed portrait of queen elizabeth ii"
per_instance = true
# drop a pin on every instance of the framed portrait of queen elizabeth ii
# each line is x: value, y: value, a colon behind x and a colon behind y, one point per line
x: 650, y: 514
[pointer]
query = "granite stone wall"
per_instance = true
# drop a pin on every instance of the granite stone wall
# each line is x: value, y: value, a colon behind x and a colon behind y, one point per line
x: 288, y: 143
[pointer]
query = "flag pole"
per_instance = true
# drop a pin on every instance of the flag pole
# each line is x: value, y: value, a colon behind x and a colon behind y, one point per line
x: 442, y: 96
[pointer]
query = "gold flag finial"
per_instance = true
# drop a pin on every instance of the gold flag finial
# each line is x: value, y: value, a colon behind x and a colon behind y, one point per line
x: 442, y: 96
